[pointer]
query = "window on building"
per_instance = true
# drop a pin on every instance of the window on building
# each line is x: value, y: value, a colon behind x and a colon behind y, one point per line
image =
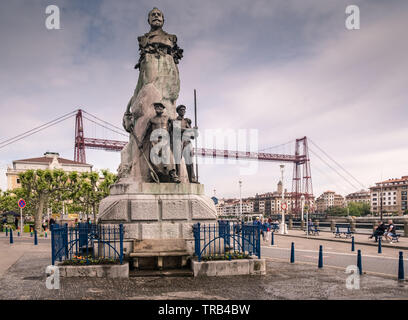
x: 18, y: 180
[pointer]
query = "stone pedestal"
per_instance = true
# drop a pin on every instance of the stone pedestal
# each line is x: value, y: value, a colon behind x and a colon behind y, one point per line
x: 151, y: 211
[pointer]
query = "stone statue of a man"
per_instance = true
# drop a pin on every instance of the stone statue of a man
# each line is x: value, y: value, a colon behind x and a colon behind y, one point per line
x: 157, y: 41
x: 184, y: 144
x: 158, y: 82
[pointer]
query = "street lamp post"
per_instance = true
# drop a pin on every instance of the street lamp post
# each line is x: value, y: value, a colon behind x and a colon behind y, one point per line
x: 302, y: 203
x: 283, y: 228
x: 381, y: 202
x: 240, y: 200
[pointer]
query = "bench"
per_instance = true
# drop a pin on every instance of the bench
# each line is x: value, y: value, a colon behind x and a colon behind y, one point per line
x: 394, y: 237
x: 347, y: 232
x: 158, y: 250
x: 159, y: 255
x: 313, y: 230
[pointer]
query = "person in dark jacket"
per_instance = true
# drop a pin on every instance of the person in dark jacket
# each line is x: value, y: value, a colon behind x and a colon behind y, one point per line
x: 379, y: 231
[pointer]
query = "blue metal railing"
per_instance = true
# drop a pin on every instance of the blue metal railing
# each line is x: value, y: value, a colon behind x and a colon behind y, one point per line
x: 226, y: 238
x: 86, y: 241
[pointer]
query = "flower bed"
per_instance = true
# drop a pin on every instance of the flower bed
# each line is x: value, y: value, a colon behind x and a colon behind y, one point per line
x: 89, y: 260
x: 226, y: 256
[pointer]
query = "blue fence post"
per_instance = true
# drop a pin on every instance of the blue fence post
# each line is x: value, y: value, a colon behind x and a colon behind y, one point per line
x: 197, y: 235
x: 35, y: 238
x: 359, y: 265
x: 352, y: 244
x: 11, y: 236
x: 65, y: 240
x: 121, y: 243
x: 292, y: 253
x: 272, y: 239
x: 401, y: 266
x: 243, y: 239
x: 259, y: 242
x: 320, y: 264
x: 379, y: 245
x: 52, y: 245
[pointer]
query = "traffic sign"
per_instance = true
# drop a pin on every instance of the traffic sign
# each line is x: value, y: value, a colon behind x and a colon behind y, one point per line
x: 21, y: 203
x: 284, y: 206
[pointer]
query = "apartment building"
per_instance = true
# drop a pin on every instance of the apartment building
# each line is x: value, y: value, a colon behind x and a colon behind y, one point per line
x: 391, y: 195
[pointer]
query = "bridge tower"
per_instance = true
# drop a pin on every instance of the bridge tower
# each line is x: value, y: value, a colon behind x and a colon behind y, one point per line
x: 301, y: 186
x: 79, y: 152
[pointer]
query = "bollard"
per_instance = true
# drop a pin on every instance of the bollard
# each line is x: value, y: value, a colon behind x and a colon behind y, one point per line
x: 35, y: 238
x: 379, y: 245
x: 401, y: 267
x: 359, y: 265
x: 292, y: 253
x: 320, y: 265
x: 11, y: 236
x: 273, y: 240
x: 352, y: 244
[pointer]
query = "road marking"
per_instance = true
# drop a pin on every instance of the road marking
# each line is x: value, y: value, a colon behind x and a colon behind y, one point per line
x: 314, y: 257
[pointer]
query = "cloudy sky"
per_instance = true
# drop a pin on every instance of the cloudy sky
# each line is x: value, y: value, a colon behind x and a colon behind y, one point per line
x: 285, y: 68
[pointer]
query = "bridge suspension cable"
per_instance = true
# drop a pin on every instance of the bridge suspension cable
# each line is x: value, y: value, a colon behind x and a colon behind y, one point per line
x: 334, y: 169
x: 277, y: 146
x: 106, y: 123
x: 44, y: 126
x: 338, y: 164
x: 123, y: 133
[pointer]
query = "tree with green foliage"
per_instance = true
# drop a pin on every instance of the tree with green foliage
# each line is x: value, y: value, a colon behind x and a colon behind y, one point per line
x: 9, y: 201
x: 39, y: 186
x: 90, y: 189
x: 50, y: 188
x: 336, y: 211
x: 358, y: 209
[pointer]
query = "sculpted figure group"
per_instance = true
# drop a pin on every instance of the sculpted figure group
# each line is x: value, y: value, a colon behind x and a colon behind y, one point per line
x: 169, y: 142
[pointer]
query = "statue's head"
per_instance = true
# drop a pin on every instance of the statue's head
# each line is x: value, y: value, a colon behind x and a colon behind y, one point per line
x: 181, y: 110
x: 156, y: 18
x: 159, y: 107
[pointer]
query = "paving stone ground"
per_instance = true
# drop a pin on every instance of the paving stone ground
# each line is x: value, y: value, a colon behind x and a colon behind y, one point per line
x: 25, y: 279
